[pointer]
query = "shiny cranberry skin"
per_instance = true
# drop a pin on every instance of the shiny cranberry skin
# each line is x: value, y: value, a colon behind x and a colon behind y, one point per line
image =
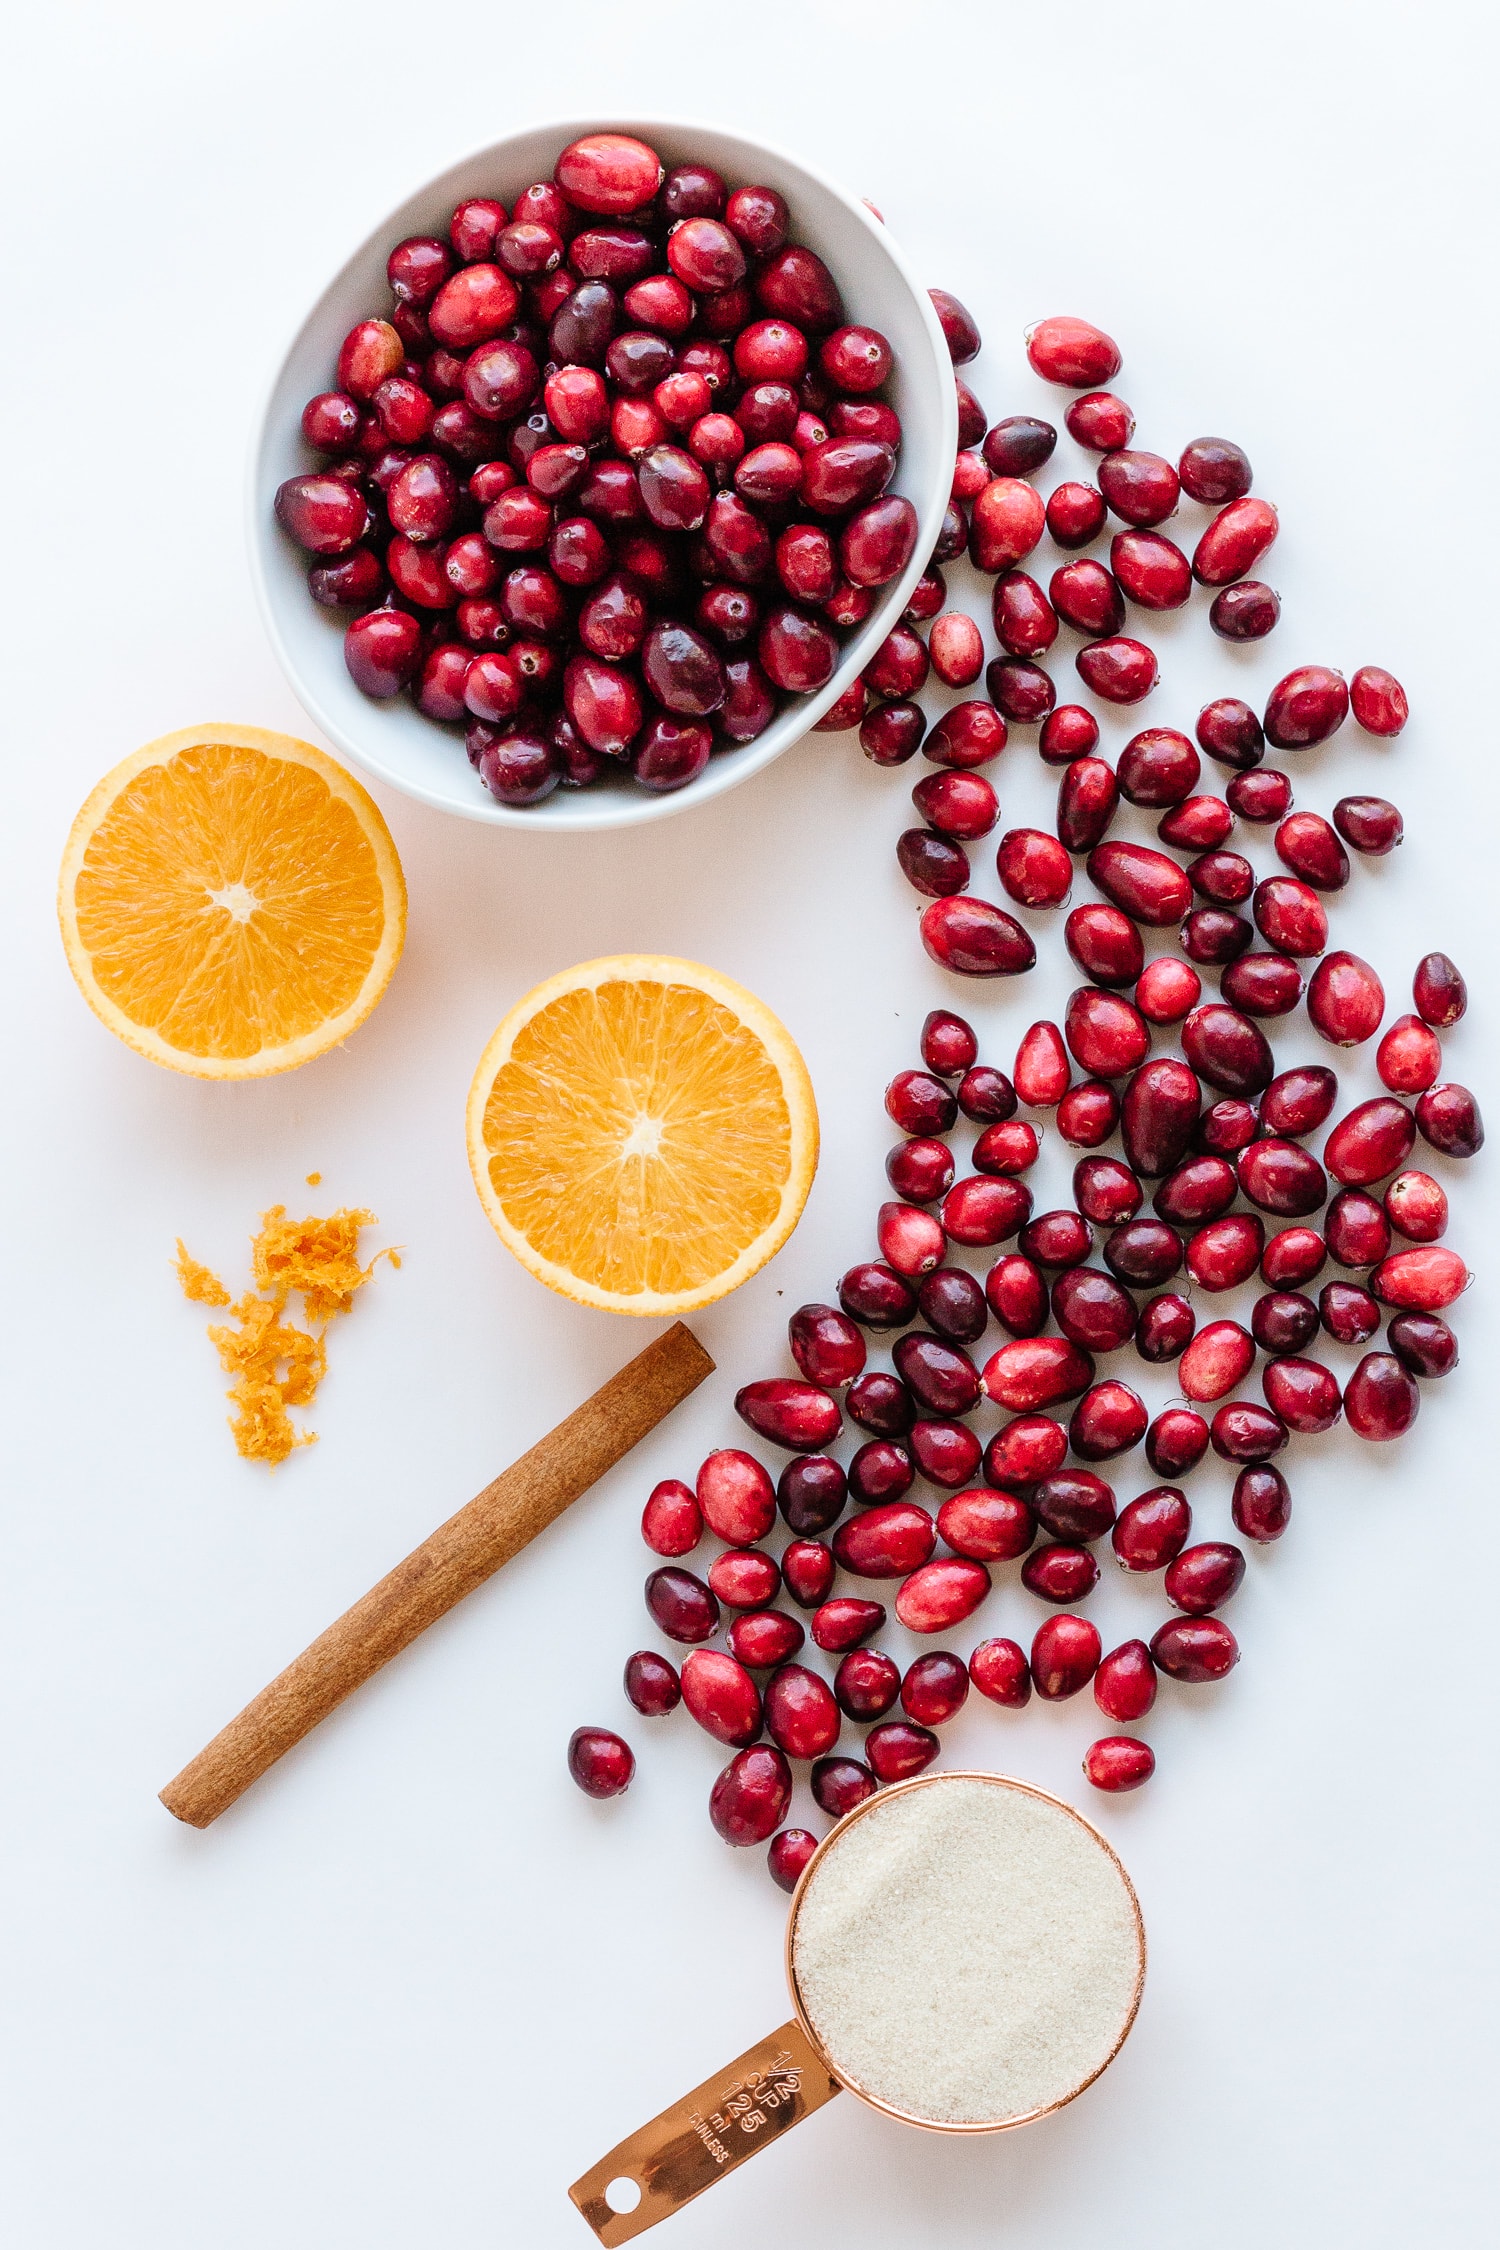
x: 1283, y: 1178
x: 798, y: 1416
x: 1106, y: 1034
x: 1086, y: 800
x: 1036, y: 1371
x: 897, y: 1750
x: 1075, y: 515
x: 960, y: 806
x: 671, y: 1522
x: 1105, y: 1190
x: 652, y: 1684
x: 1120, y: 670
x: 948, y: 1043
x: 889, y: 736
x: 987, y: 1526
x: 1068, y: 732
x: 1213, y: 937
x: 927, y: 598
x: 788, y: 1854
x: 941, y: 1594
x: 881, y: 1402
x: 722, y: 1697
x: 671, y: 752
x: 1416, y: 1207
x: 875, y: 546
x: 1022, y: 692
x: 1299, y: 1100
x: 1381, y: 1399
x: 1017, y: 1295
x: 1378, y: 700
x: 1225, y: 877
x: 919, y: 1103
x: 1197, y: 824
x: 604, y: 704
x: 1345, y: 999
x: 1105, y: 943
x: 810, y: 1493
x: 1306, y: 707
x: 681, y: 1605
x: 807, y: 1571
x: 1024, y: 620
x: 445, y: 673
x: 802, y: 1717
x: 1227, y: 1049
x: 952, y: 1302
x: 1019, y: 446
x: 1244, y: 1431
x: 1176, y: 1441
x: 1100, y: 421
x: 1008, y: 1146
x: 1088, y: 597
x: 1349, y: 1314
x: 1195, y: 1649
x: 968, y: 735
x: 1245, y: 612
x: 866, y: 1684
x: 1199, y: 1188
x: 736, y: 1496
x: 1262, y: 1504
x: 1262, y: 796
x: 1125, y: 1683
x: 1203, y: 1578
x: 1304, y: 1394
x: 517, y: 769
x: 1143, y: 883
x: 1375, y: 1138
x: 899, y: 665
x: 920, y: 1170
x: 1110, y: 1419
x: 1158, y: 1115
x: 1118, y: 1762
x: 331, y: 422
x: 1409, y: 1057
x: 1167, y: 990
x: 1144, y: 1252
x: 1219, y: 1357
x: 946, y: 1452
x: 1439, y: 992
x: 1283, y: 1321
x: 911, y: 1240
x: 797, y: 652
x: 1057, y: 1238
x: 975, y: 939
x: 876, y: 1297
x: 941, y: 1376
x: 1034, y: 869
x: 353, y: 582
x: 1226, y: 1252
x: 1425, y: 1280
x: 1425, y: 1345
x: 1065, y: 1653
x: 998, y: 1668
x: 1165, y: 1329
x: 971, y: 415
x: 1088, y: 1114
x: 1158, y: 767
x: 609, y: 172
x: 1141, y: 487
x: 1071, y: 351
x: 1262, y: 984
x: 749, y: 1799
x: 1225, y: 1128
x: 322, y: 514
x: 1007, y: 520
x: 935, y: 1689
x: 381, y: 650
x: 600, y: 1761
x: 1152, y: 1531
x: 1029, y: 1448
x: 1060, y: 1573
x: 885, y: 1541
x: 1234, y: 542
x: 839, y: 1784
x: 845, y: 473
x: 1448, y: 1119
x: 370, y: 352
x: 1214, y: 470
x: 1153, y: 572
x: 1230, y: 732
x: 1074, y: 1505
x: 880, y: 1474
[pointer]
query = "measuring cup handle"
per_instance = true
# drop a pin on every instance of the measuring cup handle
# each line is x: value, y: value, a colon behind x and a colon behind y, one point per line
x: 753, y: 2100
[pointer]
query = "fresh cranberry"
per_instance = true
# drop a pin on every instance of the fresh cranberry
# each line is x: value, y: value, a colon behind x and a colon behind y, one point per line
x: 896, y: 1750
x: 1125, y: 1682
x: 652, y: 1683
x: 749, y: 1799
x: 1118, y: 1762
x: 1065, y: 1653
x: 1019, y: 446
x: 935, y: 1689
x: 998, y: 1668
x: 807, y: 1570
x: 1071, y: 351
x: 1378, y: 700
x: 866, y: 1684
x: 1234, y: 542
x: 1425, y: 1345
x: 600, y: 1761
x: 1373, y: 825
x: 1100, y: 421
x: 788, y: 1853
x: 1245, y: 612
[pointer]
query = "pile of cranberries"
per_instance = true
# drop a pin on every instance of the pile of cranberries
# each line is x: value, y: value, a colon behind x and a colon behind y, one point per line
x: 609, y: 480
x: 1168, y: 1091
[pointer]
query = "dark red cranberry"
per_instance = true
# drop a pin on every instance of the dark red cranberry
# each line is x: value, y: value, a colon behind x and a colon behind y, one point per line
x: 1381, y: 1399
x: 1448, y: 1119
x: 1060, y: 1573
x: 1439, y: 992
x: 1226, y: 1128
x: 1195, y: 1649
x: 1203, y: 1578
x: 799, y: 1416
x: 1120, y: 670
x: 1016, y: 1293
x: 749, y: 1799
x: 1068, y: 732
x: 1100, y: 421
x: 876, y: 1297
x: 1153, y: 571
x: 952, y: 1302
x: 382, y: 650
x: 1176, y: 1441
x: 1214, y: 470
x: 1141, y: 487
x: 1087, y: 797
x: 1378, y: 700
x: 1244, y: 1431
x: 1143, y: 883
x: 807, y: 1570
x: 1065, y: 1653
x: 891, y: 735
x: 998, y: 1668
x: 1105, y: 943
x: 600, y: 1761
x: 1349, y: 1314
x: 1245, y: 612
x: 1023, y: 693
x: 935, y: 1688
x: 1153, y: 1530
x: 652, y: 1684
x: 1231, y: 733
x: 1423, y: 1343
x: 1165, y: 1329
x: 1306, y: 707
x: 1075, y: 514
x: 1087, y: 597
x: 1074, y: 1505
x: 1262, y: 1504
x: 974, y: 938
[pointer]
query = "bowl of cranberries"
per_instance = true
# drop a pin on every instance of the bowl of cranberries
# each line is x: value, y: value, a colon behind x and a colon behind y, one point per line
x: 599, y: 472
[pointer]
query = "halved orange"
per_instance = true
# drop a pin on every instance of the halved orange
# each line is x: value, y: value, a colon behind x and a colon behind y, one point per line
x: 642, y: 1133
x: 231, y: 902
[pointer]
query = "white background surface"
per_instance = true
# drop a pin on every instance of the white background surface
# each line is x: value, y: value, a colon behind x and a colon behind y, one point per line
x: 414, y: 1983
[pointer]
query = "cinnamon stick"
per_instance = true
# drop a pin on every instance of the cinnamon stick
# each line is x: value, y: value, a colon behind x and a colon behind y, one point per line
x: 460, y: 1555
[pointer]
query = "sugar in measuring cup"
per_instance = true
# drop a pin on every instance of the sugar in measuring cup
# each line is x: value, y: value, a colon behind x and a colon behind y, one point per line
x: 964, y: 1952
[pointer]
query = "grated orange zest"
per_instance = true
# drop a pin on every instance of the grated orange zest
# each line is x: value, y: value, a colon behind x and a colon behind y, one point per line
x: 274, y: 1363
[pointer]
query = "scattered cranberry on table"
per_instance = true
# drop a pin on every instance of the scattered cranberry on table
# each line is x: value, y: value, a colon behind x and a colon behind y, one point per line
x: 1291, y: 1181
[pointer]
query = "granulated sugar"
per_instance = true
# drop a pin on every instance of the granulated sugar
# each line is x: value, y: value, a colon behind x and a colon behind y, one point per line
x: 967, y: 1952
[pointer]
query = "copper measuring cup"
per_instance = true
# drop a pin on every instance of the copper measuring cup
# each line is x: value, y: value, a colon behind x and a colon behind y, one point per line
x: 789, y: 2074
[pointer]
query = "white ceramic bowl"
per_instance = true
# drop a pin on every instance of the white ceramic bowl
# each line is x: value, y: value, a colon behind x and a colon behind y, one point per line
x: 393, y: 741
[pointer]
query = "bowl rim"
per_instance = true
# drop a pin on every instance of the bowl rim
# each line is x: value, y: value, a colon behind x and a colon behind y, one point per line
x: 593, y: 811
